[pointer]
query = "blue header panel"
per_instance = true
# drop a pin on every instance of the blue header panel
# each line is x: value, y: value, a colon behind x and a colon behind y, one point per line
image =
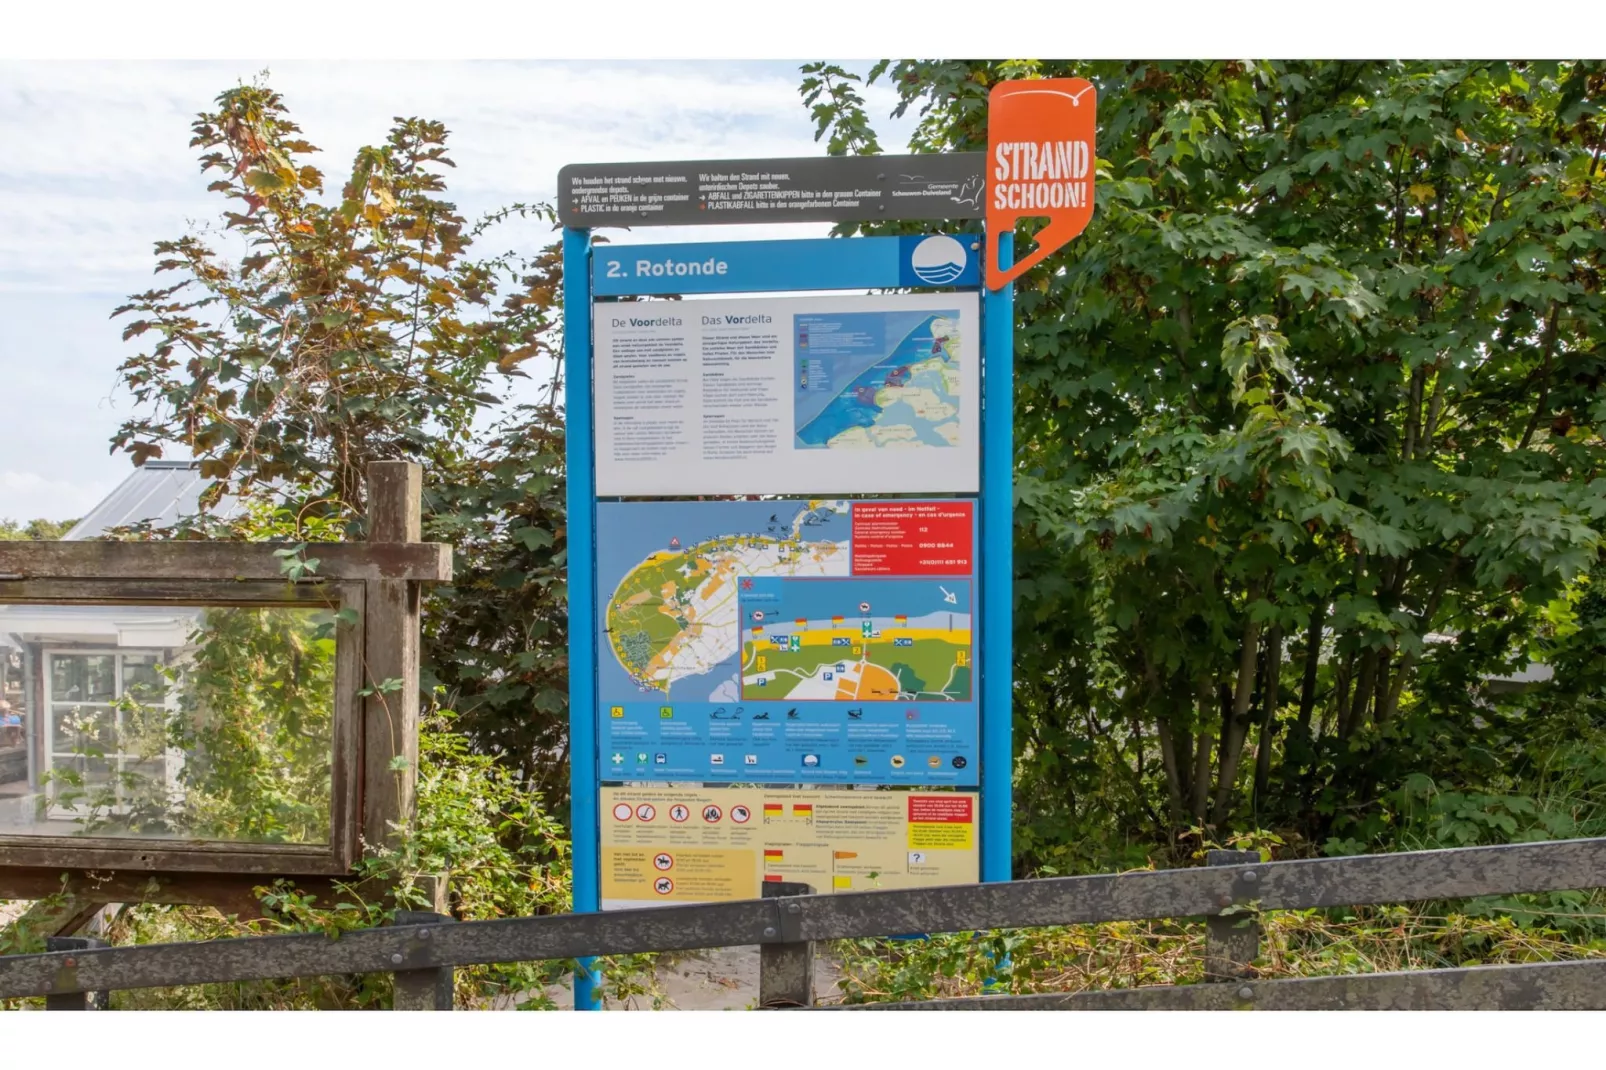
x: 911, y: 262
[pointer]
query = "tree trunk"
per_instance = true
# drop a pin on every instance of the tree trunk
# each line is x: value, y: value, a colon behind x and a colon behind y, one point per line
x: 1200, y: 797
x: 1340, y: 707
x: 1173, y: 774
x: 1390, y: 703
x: 1236, y: 729
x: 1355, y: 716
x: 1270, y: 689
x: 1385, y: 661
x: 1299, y: 747
x: 1313, y: 663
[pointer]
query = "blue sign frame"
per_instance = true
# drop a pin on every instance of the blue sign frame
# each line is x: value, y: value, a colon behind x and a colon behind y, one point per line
x: 593, y: 270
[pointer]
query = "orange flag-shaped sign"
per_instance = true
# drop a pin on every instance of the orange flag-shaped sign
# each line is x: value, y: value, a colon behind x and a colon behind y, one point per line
x: 1039, y: 164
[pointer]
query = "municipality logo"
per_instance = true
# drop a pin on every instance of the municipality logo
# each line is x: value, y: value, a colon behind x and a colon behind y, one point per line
x: 938, y: 260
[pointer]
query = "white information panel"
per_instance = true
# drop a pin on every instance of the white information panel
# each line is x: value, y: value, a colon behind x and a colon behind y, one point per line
x: 810, y: 395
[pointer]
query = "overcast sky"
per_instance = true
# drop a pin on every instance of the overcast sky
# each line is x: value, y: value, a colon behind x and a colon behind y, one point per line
x: 96, y: 167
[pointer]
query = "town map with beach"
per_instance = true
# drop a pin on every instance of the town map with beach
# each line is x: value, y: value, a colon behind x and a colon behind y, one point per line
x: 866, y: 640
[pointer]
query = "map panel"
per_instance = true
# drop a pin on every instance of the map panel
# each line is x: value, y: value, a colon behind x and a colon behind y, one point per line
x: 870, y: 640
x: 680, y: 696
x: 877, y: 380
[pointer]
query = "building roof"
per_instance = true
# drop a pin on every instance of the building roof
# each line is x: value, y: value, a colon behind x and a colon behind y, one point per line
x: 159, y: 493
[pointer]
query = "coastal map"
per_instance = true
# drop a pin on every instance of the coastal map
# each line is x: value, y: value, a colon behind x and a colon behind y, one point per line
x: 864, y: 668
x: 863, y: 641
x: 876, y: 380
x: 673, y: 615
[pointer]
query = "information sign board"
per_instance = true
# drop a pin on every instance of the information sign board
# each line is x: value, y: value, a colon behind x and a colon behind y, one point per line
x: 663, y: 845
x: 806, y: 189
x: 790, y: 641
x: 850, y: 395
x: 858, y: 651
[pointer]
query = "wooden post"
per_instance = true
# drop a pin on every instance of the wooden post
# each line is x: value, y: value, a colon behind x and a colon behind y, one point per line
x: 786, y: 970
x: 76, y: 1001
x: 1231, y: 942
x: 390, y: 713
x: 429, y: 989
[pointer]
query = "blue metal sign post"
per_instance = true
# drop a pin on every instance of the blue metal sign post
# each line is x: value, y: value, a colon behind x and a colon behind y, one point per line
x: 997, y: 575
x: 752, y: 267
x: 584, y: 794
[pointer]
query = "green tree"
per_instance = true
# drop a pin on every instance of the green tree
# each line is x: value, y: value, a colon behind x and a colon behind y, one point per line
x: 39, y: 530
x: 360, y: 328
x: 1319, y: 384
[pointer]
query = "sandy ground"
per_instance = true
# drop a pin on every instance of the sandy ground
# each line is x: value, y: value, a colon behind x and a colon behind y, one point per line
x: 719, y: 979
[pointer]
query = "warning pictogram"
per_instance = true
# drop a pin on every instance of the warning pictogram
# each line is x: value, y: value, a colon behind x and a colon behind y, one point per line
x: 711, y: 814
x: 678, y: 812
x: 740, y: 814
x: 663, y: 885
x: 622, y: 812
x: 663, y: 860
x: 646, y: 811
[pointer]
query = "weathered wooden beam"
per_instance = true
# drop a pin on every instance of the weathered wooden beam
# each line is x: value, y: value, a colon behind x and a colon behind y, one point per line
x: 1200, y: 892
x: 1183, y: 893
x: 786, y: 970
x: 1548, y: 986
x: 58, y: 853
x: 390, y: 716
x: 433, y: 987
x: 76, y: 1001
x: 1232, y: 941
x: 382, y: 559
x: 58, y: 916
x: 564, y: 936
x: 230, y: 894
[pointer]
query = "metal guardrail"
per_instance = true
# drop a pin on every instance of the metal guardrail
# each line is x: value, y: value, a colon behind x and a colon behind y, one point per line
x: 422, y: 949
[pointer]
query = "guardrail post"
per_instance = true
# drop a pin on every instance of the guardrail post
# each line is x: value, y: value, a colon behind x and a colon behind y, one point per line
x: 1232, y: 942
x: 786, y: 969
x: 431, y: 988
x: 76, y: 1001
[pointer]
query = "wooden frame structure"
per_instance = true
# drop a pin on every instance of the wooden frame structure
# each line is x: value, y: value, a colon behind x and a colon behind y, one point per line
x: 371, y: 791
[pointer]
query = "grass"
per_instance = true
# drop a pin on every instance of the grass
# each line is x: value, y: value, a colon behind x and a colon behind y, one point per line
x: 1307, y: 943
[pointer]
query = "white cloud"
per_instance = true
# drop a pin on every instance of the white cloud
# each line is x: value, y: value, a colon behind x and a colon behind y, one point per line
x: 30, y: 496
x: 97, y: 168
x: 100, y: 168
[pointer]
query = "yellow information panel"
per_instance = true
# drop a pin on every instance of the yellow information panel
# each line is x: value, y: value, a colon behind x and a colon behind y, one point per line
x: 703, y: 845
